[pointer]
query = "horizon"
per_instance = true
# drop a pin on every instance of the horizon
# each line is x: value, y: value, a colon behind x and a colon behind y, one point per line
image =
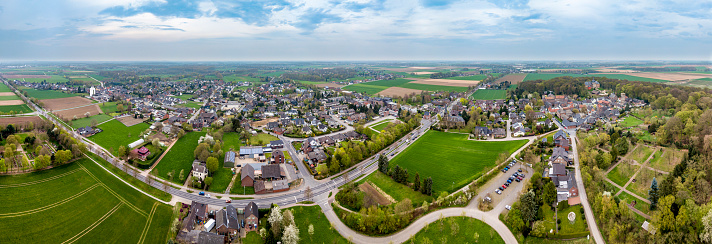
x: 356, y: 30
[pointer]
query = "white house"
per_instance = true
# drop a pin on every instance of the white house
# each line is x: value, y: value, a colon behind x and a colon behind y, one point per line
x: 199, y: 170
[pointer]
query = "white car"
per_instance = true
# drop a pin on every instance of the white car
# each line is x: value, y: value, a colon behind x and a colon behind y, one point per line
x: 498, y: 191
x: 508, y: 207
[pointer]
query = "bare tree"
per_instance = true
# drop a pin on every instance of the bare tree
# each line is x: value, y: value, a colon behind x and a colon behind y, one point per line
x: 308, y: 194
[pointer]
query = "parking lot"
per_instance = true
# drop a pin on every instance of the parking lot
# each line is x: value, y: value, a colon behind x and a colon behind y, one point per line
x: 510, y: 194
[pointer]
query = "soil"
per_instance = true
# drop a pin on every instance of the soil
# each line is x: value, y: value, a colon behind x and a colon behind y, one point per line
x: 374, y: 194
x: 79, y: 112
x: 65, y: 103
x: 446, y: 82
x: 398, y: 92
x: 11, y: 102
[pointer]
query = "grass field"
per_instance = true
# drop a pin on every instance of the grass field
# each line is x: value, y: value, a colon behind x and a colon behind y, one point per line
x: 641, y: 186
x: 666, y: 159
x: 630, y: 121
x: 132, y: 180
x: 473, y: 77
x: 450, y: 159
x: 426, y: 87
x: 265, y: 138
x: 78, y: 202
x: 364, y: 88
x: 567, y: 227
x: 237, y: 187
x: 87, y: 121
x: 396, y: 190
x: 115, y: 134
x: 180, y: 157
x: 381, y: 125
x: 52, y: 79
x: 640, y: 154
x: 622, y: 173
x: 221, y: 179
x: 46, y: 94
x: 389, y: 83
x: 231, y: 140
x: 640, y: 205
x: 22, y: 108
x: 109, y: 107
x: 489, y: 94
x: 466, y: 228
x: 323, y: 232
x: 540, y: 76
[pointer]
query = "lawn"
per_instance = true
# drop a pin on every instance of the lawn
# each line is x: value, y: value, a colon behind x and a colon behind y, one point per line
x: 472, y: 77
x: 231, y: 140
x: 108, y: 107
x: 237, y: 187
x: 381, y: 125
x: 622, y: 173
x: 450, y: 159
x: 426, y: 87
x: 263, y: 137
x: 567, y: 227
x: 396, y: 190
x: 643, y: 181
x: 639, y: 205
x: 221, y: 179
x: 115, y: 134
x: 363, y: 88
x: 646, y: 136
x: 323, y: 232
x: 630, y: 121
x: 441, y: 231
x: 46, y: 94
x: 252, y: 238
x: 640, y: 154
x: 666, y: 159
x: 22, y: 108
x: 35, y: 208
x: 487, y: 94
x: 180, y: 157
x: 87, y: 121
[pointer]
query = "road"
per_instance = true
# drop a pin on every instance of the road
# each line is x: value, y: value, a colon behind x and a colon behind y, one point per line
x: 590, y: 219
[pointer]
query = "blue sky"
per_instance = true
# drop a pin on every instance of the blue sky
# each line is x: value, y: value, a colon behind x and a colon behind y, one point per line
x: 222, y: 30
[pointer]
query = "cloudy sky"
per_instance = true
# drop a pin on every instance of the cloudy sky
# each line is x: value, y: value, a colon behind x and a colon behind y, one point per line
x: 221, y: 30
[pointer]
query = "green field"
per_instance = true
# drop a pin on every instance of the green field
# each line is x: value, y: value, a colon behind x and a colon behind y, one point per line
x: 108, y: 107
x: 306, y: 82
x: 237, y: 187
x: 487, y: 94
x: 78, y: 202
x: 52, y: 79
x: 221, y: 179
x: 46, y: 94
x: 397, y: 190
x: 180, y: 157
x: 115, y: 134
x: 426, y: 87
x: 8, y: 98
x: 630, y: 121
x: 4, y: 88
x: 323, y: 232
x: 22, y: 108
x: 389, y: 83
x: 381, y: 125
x: 542, y: 76
x: 158, y: 193
x: 472, y: 77
x: 450, y: 159
x: 87, y: 121
x: 363, y: 88
x: 185, y: 96
x: 231, y: 140
x: 466, y: 228
x: 265, y: 138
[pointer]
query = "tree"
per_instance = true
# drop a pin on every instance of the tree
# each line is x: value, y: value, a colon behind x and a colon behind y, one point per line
x: 308, y: 193
x: 706, y: 235
x: 212, y: 164
x: 427, y: 187
x: 120, y: 107
x: 528, y: 207
x: 208, y: 181
x: 181, y: 176
x: 653, y: 194
x: 62, y: 156
x: 187, y: 127
x: 310, y: 230
x: 322, y: 169
x: 94, y: 123
x: 3, y: 166
x: 416, y: 182
x: 383, y: 164
x: 664, y: 218
x: 275, y: 219
x: 122, y: 151
x: 9, y: 151
x: 291, y: 235
x: 549, y: 193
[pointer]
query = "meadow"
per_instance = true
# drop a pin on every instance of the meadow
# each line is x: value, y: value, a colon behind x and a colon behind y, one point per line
x: 486, y: 94
x: 108, y: 107
x: 364, y: 88
x: 80, y: 202
x: 450, y: 159
x: 324, y: 233
x: 630, y: 121
x: 472, y: 77
x: 46, y: 94
x: 22, y: 108
x: 457, y: 230
x: 87, y: 121
x: 221, y: 179
x: 115, y: 134
x: 52, y: 79
x: 261, y: 137
x: 180, y: 157
x: 396, y: 190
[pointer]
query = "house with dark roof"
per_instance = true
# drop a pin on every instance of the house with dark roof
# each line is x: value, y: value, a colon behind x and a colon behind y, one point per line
x: 141, y: 153
x: 483, y: 132
x: 271, y: 172
x: 559, y: 137
x: 226, y: 221
x: 252, y: 216
x: 260, y: 187
x: 278, y: 157
x: 561, y: 156
x: 276, y: 144
x: 247, y: 175
x: 280, y: 185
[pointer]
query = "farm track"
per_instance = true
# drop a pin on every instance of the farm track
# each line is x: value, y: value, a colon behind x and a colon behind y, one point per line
x: 40, y: 181
x: 40, y: 209
x: 116, y: 194
x: 148, y: 223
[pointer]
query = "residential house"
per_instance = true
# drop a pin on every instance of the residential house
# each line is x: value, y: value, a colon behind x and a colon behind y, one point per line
x: 276, y: 144
x: 247, y: 175
x: 278, y: 157
x: 141, y: 153
x: 199, y: 170
x: 227, y: 222
x: 251, y: 217
x: 271, y: 172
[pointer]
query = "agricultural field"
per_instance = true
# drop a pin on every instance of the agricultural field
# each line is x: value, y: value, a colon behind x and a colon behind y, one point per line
x: 20, y: 120
x: 666, y: 159
x: 46, y: 94
x: 389, y: 83
x: 83, y: 122
x: 450, y: 159
x: 306, y: 82
x: 11, y: 96
x: 703, y: 82
x: 544, y: 76
x: 398, y: 92
x: 115, y: 134
x: 622, y: 173
x: 364, y: 88
x: 472, y: 77
x: 466, y: 228
x: 80, y: 112
x: 374, y: 87
x: 396, y: 190
x: 512, y: 78
x: 434, y: 87
x: 487, y: 94
x: 180, y: 157
x: 65, y: 103
x: 50, y: 79
x: 22, y: 108
x: 35, y: 208
x: 630, y: 121
x: 4, y: 88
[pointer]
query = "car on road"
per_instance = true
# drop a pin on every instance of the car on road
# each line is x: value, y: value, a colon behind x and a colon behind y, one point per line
x: 228, y: 201
x: 208, y: 195
x: 202, y: 193
x: 392, y: 154
x: 508, y: 207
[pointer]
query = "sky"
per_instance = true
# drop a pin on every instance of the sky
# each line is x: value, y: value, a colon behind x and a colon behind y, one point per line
x: 316, y: 30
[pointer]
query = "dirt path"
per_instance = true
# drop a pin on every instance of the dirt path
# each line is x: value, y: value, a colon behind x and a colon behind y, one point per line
x: 619, y: 161
x: 639, y: 169
x: 145, y: 172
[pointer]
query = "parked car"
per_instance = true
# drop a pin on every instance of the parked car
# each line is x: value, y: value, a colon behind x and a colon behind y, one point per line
x: 518, y: 180
x: 509, y: 181
x: 498, y: 191
x: 508, y: 207
x: 504, y: 186
x: 522, y: 175
x: 202, y: 193
x: 500, y: 188
x: 520, y: 170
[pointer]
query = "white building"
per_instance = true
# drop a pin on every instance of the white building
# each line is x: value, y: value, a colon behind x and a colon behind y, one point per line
x: 92, y: 91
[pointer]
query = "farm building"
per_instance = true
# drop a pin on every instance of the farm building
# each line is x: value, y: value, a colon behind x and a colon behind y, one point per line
x: 229, y: 159
x: 136, y: 143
